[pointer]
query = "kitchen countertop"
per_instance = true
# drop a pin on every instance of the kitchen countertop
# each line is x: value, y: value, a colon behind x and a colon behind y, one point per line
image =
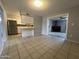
x: 24, y: 27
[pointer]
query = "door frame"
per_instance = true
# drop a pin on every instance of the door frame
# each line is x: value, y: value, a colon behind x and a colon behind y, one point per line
x: 65, y: 14
x: 4, y: 26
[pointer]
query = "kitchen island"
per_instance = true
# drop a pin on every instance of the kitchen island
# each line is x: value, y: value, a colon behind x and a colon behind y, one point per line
x: 27, y: 31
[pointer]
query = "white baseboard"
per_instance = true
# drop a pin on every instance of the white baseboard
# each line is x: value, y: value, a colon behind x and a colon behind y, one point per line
x: 73, y: 41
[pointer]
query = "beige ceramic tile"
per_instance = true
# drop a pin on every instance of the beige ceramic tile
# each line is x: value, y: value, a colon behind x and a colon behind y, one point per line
x: 41, y: 47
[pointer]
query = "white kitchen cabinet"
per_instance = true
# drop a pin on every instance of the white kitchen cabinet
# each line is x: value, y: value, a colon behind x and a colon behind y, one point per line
x: 29, y: 29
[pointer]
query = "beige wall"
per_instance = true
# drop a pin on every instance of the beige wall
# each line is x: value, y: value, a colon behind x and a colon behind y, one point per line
x: 14, y: 17
x: 37, y: 25
x: 44, y: 26
x: 73, y: 22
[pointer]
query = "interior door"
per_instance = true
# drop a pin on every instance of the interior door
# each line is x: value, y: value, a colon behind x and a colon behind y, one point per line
x: 1, y: 32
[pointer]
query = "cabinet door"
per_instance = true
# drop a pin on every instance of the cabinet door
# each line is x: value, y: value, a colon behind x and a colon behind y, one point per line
x: 27, y: 20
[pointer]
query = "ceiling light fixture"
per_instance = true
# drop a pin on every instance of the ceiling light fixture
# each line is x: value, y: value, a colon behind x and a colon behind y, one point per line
x: 38, y: 3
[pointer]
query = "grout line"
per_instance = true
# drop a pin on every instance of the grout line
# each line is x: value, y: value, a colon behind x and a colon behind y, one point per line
x: 8, y: 51
x: 18, y: 51
x: 69, y: 50
x: 56, y: 51
x: 59, y: 49
x: 5, y: 56
x: 36, y: 49
x: 27, y: 51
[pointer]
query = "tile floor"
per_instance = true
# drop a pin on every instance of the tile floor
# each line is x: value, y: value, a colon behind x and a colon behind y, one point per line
x: 40, y: 47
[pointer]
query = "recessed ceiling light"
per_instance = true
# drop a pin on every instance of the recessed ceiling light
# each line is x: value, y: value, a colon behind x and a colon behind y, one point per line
x: 38, y: 3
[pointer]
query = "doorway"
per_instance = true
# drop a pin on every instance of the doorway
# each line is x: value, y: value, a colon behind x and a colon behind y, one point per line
x: 58, y: 26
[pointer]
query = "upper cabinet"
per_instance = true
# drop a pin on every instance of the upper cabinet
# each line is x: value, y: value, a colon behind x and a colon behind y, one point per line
x: 27, y: 20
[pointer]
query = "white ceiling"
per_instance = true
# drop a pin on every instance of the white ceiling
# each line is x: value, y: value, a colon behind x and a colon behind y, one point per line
x: 12, y: 6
